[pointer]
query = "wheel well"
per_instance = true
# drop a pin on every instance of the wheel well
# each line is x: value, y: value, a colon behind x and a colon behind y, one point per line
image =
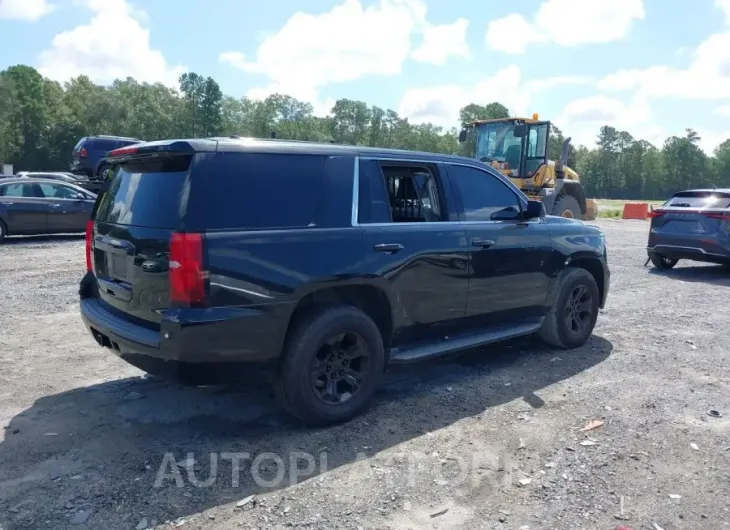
x: 368, y: 299
x: 595, y: 268
x: 575, y: 190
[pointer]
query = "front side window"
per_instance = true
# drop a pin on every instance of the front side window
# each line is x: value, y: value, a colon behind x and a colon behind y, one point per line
x: 496, y: 142
x: 484, y: 197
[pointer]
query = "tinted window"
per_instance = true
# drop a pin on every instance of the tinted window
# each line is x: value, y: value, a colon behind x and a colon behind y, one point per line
x: 146, y: 194
x: 252, y: 190
x: 78, y: 144
x: 18, y: 190
x: 482, y: 194
x: 101, y: 144
x: 374, y: 206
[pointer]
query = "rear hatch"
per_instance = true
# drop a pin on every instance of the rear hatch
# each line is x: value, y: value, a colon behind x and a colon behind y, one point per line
x: 135, y: 219
x: 693, y: 216
x: 76, y: 154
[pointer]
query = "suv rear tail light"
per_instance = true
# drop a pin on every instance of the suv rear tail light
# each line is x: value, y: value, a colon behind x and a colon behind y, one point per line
x: 89, y: 240
x: 129, y: 150
x: 83, y: 153
x: 188, y: 277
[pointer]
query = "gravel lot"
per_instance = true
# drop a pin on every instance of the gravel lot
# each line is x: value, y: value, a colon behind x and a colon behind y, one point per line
x: 491, y: 439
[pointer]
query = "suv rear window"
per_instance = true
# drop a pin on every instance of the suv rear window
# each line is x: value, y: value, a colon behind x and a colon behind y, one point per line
x: 254, y: 191
x: 698, y: 199
x: 101, y: 144
x: 145, y: 193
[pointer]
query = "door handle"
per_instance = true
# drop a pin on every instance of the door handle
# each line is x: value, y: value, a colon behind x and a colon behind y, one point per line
x: 55, y: 205
x: 388, y: 247
x: 482, y: 243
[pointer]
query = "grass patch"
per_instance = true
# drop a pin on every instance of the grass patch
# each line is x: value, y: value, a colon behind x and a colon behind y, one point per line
x: 611, y: 213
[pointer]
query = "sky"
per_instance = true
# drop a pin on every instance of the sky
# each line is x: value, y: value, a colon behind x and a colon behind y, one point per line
x: 651, y: 67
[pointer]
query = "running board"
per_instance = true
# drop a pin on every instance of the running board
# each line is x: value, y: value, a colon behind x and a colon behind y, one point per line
x: 435, y: 349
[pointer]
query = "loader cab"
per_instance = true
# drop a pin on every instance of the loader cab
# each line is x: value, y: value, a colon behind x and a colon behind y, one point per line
x: 516, y: 147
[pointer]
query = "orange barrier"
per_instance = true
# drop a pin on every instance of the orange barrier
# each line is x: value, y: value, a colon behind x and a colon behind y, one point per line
x: 636, y: 210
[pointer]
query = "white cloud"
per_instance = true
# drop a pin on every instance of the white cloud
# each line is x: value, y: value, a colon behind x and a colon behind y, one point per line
x: 441, y: 104
x: 723, y: 110
x: 440, y: 42
x: 112, y: 45
x: 346, y: 43
x: 724, y: 5
x: 565, y: 23
x: 582, y: 118
x: 25, y: 9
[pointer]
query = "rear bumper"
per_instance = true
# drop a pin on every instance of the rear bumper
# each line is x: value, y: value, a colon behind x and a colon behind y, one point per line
x: 688, y: 252
x: 710, y: 248
x: 213, y: 346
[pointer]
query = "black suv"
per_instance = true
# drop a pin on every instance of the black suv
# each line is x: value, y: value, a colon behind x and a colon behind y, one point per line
x: 214, y: 258
x: 88, y: 156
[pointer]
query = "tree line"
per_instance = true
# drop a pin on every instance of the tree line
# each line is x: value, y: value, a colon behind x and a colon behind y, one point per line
x: 41, y: 121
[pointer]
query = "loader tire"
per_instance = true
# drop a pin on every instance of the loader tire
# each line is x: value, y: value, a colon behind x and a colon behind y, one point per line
x: 567, y: 206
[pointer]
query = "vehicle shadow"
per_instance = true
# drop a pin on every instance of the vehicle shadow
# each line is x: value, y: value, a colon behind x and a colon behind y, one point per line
x: 34, y: 240
x: 714, y: 274
x: 109, y: 449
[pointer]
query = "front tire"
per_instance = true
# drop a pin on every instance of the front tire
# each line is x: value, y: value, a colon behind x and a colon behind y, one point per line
x: 567, y: 206
x: 571, y: 320
x: 332, y: 365
x: 661, y: 262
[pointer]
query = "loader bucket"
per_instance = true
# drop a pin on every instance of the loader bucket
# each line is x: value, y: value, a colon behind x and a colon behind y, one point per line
x: 591, y: 210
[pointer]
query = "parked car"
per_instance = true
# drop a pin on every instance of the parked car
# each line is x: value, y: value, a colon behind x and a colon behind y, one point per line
x: 324, y: 264
x: 89, y: 153
x: 692, y: 224
x: 31, y: 206
x: 94, y: 186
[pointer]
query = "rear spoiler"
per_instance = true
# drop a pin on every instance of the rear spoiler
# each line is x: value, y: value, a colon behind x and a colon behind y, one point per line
x: 161, y: 148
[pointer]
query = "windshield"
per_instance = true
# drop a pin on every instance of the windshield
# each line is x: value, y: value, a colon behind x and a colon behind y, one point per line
x: 497, y: 142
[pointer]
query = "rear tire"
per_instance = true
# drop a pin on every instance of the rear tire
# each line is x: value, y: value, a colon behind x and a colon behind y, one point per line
x: 332, y: 364
x: 661, y: 262
x: 101, y: 172
x: 571, y: 320
x: 3, y: 231
x: 567, y: 206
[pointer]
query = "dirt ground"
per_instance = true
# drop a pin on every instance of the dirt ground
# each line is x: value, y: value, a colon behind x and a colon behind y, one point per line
x: 491, y: 439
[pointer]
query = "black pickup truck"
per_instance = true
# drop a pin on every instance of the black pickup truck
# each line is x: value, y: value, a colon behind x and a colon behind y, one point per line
x: 323, y: 264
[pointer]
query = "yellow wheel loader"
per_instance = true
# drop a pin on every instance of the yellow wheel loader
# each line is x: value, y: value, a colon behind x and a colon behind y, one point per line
x: 517, y: 148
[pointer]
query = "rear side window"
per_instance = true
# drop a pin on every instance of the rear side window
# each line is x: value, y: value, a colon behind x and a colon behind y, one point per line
x: 99, y: 144
x: 254, y: 191
x: 145, y: 194
x: 698, y: 199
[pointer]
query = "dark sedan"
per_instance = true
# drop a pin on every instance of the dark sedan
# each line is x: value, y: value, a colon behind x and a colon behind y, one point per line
x: 31, y: 206
x: 692, y: 224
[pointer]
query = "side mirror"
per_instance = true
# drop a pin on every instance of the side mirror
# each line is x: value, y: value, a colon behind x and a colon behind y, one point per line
x: 462, y: 136
x: 505, y: 214
x: 519, y: 130
x: 535, y: 209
